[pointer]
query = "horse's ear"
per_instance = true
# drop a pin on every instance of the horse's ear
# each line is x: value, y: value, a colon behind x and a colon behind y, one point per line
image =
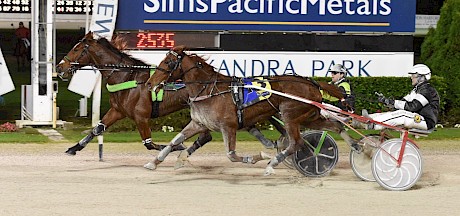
x: 89, y: 35
x: 180, y: 48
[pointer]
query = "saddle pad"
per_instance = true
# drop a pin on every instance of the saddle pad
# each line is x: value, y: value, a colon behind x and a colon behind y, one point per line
x: 252, y: 96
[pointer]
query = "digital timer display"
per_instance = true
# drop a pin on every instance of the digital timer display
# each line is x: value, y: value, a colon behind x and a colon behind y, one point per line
x: 155, y: 40
x: 150, y: 40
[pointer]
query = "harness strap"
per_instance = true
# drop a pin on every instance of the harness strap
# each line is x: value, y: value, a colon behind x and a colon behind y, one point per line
x: 237, y: 94
x: 155, y: 96
x: 133, y: 84
x: 158, y: 96
x: 122, y: 86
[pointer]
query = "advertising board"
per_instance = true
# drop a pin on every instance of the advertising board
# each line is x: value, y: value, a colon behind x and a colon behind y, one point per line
x: 268, y: 15
x: 309, y: 64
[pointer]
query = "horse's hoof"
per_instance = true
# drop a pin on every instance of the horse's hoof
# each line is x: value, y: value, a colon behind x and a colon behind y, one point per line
x: 179, y: 164
x: 73, y: 150
x: 179, y: 147
x: 151, y: 146
x: 70, y: 152
x: 264, y: 156
x: 181, y: 159
x: 150, y: 165
x: 269, y: 171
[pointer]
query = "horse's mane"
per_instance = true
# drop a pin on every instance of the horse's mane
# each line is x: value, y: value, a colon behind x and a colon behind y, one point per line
x: 119, y: 43
x: 202, y: 61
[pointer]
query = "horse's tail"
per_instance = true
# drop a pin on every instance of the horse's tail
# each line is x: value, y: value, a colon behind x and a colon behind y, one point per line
x: 331, y: 89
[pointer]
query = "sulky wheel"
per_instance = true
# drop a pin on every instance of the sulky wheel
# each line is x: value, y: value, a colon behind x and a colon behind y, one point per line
x: 318, y: 156
x: 385, y: 166
x: 361, y: 162
x: 282, y: 144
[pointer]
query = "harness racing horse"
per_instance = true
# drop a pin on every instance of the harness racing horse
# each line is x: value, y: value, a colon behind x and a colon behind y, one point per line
x: 134, y: 102
x: 22, y: 52
x: 218, y: 111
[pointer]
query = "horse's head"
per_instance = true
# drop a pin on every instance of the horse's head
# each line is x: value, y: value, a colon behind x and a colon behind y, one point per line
x: 79, y: 56
x: 169, y: 69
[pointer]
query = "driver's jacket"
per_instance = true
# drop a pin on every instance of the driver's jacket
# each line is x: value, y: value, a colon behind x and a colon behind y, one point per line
x: 424, y: 100
x: 348, y: 104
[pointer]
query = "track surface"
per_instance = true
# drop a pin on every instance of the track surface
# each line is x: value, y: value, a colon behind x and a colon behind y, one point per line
x: 39, y: 179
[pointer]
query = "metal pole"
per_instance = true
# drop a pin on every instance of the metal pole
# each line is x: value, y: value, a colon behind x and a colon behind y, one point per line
x: 55, y: 117
x: 84, y: 100
x: 96, y: 112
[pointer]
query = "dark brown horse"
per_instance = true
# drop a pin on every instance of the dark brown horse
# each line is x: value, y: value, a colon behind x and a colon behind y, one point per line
x: 135, y: 102
x: 22, y: 53
x: 218, y: 111
x: 117, y: 67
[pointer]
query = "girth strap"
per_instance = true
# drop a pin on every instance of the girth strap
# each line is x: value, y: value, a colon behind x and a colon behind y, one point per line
x: 237, y: 95
x: 155, y: 109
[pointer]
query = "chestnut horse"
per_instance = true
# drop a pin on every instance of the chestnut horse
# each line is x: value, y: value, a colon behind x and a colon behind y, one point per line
x: 135, y: 102
x: 117, y: 67
x: 218, y: 111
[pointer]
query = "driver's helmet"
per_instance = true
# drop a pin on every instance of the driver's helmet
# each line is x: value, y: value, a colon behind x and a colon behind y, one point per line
x: 421, y: 70
x: 338, y: 68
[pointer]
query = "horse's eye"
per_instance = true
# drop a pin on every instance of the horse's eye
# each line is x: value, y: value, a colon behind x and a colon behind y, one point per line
x: 171, y: 64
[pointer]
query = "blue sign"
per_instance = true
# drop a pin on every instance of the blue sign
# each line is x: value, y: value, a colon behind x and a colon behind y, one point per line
x: 267, y: 15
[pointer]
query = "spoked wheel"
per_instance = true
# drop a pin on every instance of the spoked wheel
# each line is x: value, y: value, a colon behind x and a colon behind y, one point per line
x: 282, y: 144
x: 318, y: 156
x: 361, y: 162
x: 385, y: 165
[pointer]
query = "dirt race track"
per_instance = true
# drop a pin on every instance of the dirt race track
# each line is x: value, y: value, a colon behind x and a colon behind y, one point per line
x: 39, y: 179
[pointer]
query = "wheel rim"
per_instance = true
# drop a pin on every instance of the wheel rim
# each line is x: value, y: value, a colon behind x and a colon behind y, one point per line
x: 316, y: 165
x: 361, y: 163
x: 385, y: 169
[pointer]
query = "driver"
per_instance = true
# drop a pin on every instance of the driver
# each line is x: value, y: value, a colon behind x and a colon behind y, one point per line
x: 419, y: 109
x: 339, y: 78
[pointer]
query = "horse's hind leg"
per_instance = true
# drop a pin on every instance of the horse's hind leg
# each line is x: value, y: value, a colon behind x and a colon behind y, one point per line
x: 199, y: 142
x: 257, y: 134
x: 190, y: 130
x: 110, y: 118
x: 293, y: 131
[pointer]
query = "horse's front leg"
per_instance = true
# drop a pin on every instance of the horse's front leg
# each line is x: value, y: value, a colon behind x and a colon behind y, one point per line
x: 229, y: 136
x: 190, y: 130
x: 142, y: 124
x: 109, y: 119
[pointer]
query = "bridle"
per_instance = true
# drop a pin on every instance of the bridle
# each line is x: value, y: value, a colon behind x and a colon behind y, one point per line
x: 74, y: 63
x: 173, y: 65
